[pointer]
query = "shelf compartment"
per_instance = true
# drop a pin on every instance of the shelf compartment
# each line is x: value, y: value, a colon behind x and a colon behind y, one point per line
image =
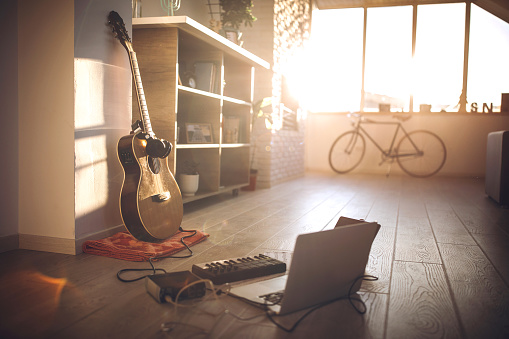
x: 236, y: 121
x: 198, y: 109
x: 208, y: 160
x: 238, y: 79
x: 234, y: 166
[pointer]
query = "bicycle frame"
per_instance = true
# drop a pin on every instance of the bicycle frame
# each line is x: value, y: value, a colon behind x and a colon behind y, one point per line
x: 419, y: 153
x: 391, y: 152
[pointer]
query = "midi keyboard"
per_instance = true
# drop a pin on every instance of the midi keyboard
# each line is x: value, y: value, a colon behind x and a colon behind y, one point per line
x: 231, y: 270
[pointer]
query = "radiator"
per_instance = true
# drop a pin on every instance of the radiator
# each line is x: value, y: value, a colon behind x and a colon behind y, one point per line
x: 497, y: 167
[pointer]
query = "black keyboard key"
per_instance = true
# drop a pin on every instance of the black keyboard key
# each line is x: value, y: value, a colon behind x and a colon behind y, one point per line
x: 231, y: 270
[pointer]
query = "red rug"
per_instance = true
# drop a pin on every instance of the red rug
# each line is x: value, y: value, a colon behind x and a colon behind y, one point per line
x: 124, y: 246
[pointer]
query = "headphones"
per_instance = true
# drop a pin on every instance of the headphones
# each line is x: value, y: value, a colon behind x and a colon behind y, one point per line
x: 158, y: 148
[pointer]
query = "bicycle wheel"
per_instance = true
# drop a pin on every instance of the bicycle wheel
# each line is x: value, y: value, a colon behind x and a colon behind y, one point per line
x: 347, y: 152
x: 421, y: 154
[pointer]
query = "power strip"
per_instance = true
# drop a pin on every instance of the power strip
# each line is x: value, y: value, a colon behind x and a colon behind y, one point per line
x: 161, y: 286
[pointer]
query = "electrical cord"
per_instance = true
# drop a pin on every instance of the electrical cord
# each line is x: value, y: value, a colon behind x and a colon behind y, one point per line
x: 153, y: 269
x: 351, y: 299
x: 170, y: 325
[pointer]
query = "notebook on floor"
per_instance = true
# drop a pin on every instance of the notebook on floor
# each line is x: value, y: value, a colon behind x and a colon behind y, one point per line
x: 324, y: 266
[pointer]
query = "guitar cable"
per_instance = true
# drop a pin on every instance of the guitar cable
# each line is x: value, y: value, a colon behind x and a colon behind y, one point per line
x: 153, y: 269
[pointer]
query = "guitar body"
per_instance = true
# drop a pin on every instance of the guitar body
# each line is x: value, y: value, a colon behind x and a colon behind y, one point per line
x: 150, y: 200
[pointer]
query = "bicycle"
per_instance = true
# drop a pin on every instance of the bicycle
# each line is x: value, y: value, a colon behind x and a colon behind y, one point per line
x: 419, y: 153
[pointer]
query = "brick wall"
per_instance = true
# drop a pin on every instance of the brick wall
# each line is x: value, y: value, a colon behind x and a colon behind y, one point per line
x: 281, y: 28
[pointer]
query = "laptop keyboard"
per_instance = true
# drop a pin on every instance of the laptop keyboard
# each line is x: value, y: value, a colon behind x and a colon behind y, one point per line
x: 273, y: 298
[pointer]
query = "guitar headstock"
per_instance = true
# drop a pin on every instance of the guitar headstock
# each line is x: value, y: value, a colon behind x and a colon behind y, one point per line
x: 117, y: 25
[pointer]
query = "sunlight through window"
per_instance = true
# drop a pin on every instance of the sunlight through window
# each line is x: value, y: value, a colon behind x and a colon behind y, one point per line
x: 388, y: 58
x: 488, y: 70
x: 334, y: 63
x: 327, y: 76
x: 438, y: 75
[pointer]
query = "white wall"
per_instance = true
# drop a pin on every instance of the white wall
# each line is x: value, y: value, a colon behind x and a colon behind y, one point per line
x: 464, y: 136
x: 102, y: 110
x: 73, y: 103
x: 9, y: 112
x: 46, y: 118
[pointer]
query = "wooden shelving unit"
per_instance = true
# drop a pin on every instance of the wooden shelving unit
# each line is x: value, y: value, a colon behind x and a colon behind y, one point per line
x: 167, y: 47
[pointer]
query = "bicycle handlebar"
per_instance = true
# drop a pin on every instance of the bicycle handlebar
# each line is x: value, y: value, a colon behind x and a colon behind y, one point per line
x: 360, y: 116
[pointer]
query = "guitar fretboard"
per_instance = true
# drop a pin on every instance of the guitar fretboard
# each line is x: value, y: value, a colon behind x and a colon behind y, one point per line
x: 140, y: 93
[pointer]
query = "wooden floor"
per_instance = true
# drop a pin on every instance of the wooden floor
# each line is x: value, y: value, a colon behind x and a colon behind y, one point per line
x: 442, y: 258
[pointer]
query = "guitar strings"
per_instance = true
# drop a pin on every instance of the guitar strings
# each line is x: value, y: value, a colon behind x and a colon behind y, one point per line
x: 153, y: 269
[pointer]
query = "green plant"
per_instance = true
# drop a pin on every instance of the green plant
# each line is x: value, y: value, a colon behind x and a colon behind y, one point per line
x: 236, y: 12
x: 263, y: 109
x: 190, y: 167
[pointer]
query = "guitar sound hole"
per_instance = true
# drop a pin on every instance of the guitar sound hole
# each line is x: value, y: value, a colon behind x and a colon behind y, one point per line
x: 154, y: 165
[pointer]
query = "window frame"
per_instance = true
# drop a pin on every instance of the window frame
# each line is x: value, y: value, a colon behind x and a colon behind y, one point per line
x: 462, y: 107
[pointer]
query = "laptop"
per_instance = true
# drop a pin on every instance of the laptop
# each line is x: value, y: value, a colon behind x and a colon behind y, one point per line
x: 324, y: 267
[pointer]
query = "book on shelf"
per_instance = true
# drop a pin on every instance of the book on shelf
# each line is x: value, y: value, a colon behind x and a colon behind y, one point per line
x: 206, y: 76
x: 231, y: 126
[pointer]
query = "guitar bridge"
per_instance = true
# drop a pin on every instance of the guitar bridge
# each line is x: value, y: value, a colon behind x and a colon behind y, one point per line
x: 161, y: 197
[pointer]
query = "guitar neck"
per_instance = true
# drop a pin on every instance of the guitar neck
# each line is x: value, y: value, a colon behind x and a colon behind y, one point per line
x: 140, y: 94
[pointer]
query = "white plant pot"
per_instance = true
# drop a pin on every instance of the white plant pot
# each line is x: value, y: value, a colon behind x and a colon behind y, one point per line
x: 189, y: 184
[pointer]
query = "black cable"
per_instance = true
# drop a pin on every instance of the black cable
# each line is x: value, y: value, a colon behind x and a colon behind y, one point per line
x: 351, y: 299
x: 153, y: 269
x: 119, y: 273
x: 271, y: 315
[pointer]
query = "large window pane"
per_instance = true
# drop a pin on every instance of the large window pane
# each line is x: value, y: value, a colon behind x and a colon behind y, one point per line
x: 488, y: 62
x: 335, y: 61
x: 438, y: 59
x: 388, y: 58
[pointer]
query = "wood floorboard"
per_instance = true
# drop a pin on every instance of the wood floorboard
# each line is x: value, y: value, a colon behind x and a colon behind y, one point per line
x: 448, y: 228
x: 420, y: 303
x: 480, y: 293
x: 441, y: 258
x: 380, y: 261
x: 496, y: 249
x: 415, y: 241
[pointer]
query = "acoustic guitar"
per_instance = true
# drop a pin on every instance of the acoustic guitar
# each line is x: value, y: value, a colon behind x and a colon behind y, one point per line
x: 150, y: 200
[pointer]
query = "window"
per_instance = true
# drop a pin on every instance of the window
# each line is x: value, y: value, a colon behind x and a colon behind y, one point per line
x: 334, y: 61
x: 488, y: 62
x: 388, y: 58
x: 439, y: 49
x: 344, y: 64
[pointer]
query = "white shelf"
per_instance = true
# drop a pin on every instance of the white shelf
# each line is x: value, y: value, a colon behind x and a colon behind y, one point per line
x: 191, y: 146
x: 203, y: 33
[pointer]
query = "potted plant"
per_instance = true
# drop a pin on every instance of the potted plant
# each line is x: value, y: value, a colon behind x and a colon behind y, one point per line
x: 262, y: 110
x: 233, y: 14
x: 189, y: 178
